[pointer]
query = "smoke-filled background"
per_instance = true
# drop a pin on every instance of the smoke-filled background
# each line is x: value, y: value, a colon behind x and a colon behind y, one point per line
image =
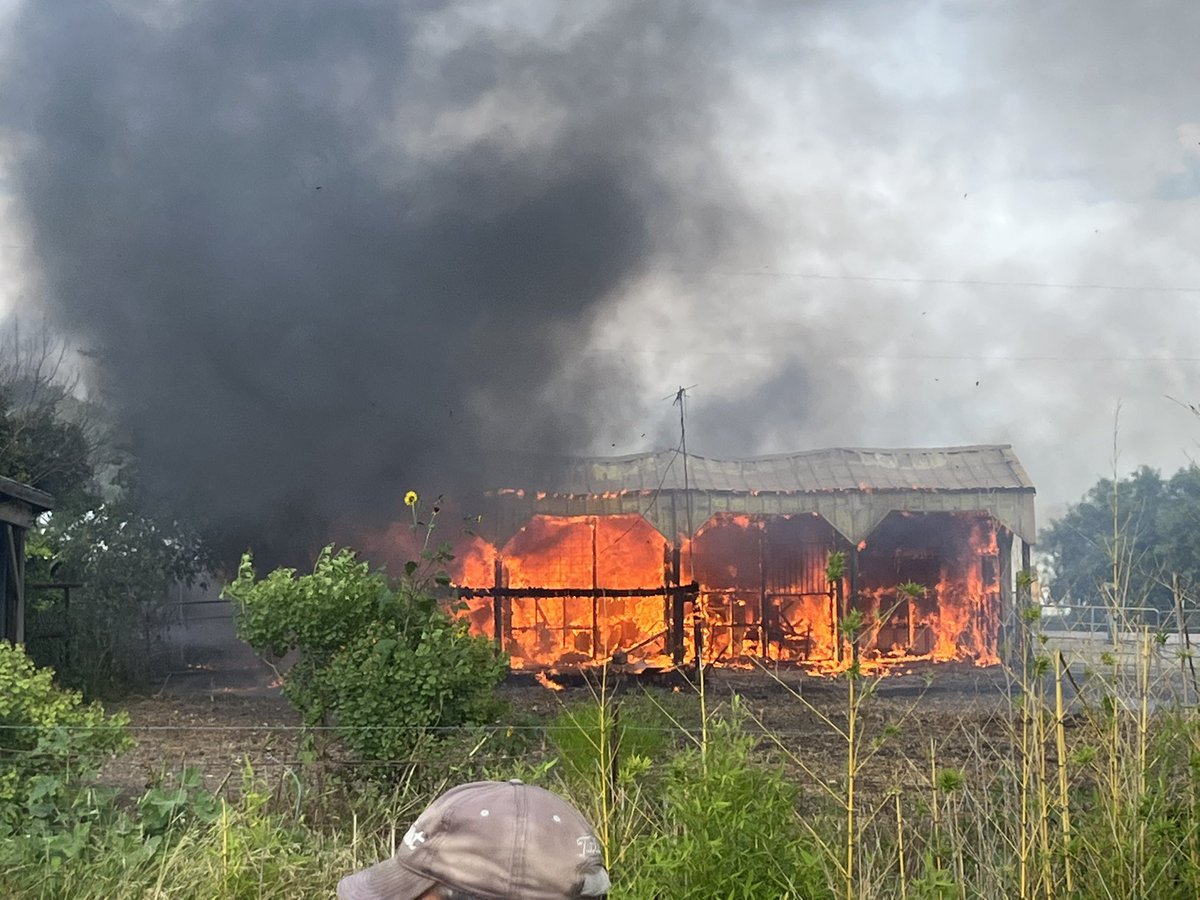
x: 322, y: 251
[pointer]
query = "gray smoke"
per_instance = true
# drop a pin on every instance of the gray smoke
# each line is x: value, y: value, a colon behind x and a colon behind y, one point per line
x: 939, y: 165
x: 532, y: 226
x: 323, y: 251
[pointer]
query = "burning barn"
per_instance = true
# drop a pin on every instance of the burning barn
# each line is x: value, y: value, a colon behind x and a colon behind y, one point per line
x: 660, y: 558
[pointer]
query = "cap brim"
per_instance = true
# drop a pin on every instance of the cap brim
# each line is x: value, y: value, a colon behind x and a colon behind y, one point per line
x: 387, y: 880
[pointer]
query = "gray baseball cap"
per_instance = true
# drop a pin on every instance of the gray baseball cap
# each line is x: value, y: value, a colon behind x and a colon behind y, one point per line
x: 499, y: 839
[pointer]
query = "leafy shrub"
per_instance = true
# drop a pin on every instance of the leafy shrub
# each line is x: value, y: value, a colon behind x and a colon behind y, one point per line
x: 127, y: 561
x: 412, y: 676
x: 317, y: 615
x: 50, y: 742
x: 385, y: 664
x: 729, y: 829
x: 181, y: 841
x: 634, y: 729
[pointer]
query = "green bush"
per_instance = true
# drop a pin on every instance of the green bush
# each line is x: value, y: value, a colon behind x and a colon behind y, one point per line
x: 50, y: 743
x: 127, y: 560
x: 181, y: 841
x: 385, y: 664
x: 411, y: 678
x: 729, y: 829
x: 633, y: 728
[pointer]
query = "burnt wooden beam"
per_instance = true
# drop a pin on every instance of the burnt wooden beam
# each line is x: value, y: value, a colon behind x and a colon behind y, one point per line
x: 1025, y: 600
x: 1009, y: 622
x: 765, y: 629
x: 853, y: 599
x: 677, y: 601
x: 497, y: 605
x: 685, y: 590
x: 595, y: 597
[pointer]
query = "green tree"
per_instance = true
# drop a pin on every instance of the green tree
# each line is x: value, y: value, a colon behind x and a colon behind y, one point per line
x: 40, y: 444
x: 128, y: 557
x: 50, y: 744
x: 1126, y: 539
x: 1178, y: 528
x: 104, y: 533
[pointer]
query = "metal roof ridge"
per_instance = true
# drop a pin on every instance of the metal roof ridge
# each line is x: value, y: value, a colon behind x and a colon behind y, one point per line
x: 793, y: 454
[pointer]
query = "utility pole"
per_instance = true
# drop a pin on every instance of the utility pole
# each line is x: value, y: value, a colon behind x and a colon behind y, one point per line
x: 680, y: 397
x: 697, y: 600
x: 697, y: 619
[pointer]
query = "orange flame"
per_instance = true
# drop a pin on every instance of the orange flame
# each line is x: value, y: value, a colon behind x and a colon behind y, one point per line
x: 547, y: 682
x: 764, y: 593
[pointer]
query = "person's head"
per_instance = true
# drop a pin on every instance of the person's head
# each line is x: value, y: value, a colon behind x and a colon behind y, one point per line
x: 489, y: 840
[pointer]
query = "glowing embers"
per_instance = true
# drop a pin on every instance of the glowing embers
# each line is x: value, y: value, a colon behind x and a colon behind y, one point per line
x: 593, y: 555
x: 764, y: 592
x: 929, y: 588
x: 569, y: 591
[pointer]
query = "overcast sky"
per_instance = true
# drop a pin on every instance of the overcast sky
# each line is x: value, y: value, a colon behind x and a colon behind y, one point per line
x: 1052, y: 143
x: 840, y: 223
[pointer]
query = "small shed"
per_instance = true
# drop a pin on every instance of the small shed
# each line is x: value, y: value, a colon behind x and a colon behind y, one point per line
x: 20, y: 505
x: 619, y: 554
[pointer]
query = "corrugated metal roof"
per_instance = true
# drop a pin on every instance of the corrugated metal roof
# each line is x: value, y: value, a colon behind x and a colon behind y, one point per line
x: 976, y: 468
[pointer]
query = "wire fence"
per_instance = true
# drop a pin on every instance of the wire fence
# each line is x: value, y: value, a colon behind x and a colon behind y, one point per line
x: 1121, y: 623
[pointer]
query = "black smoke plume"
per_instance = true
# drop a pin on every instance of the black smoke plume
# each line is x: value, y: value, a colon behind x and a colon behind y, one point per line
x: 324, y: 251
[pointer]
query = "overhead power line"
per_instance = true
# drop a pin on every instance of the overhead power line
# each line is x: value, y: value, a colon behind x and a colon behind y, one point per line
x: 972, y: 282
x: 742, y: 352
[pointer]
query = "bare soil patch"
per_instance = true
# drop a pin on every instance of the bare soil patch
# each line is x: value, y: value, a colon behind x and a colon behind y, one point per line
x: 214, y: 733
x: 960, y: 711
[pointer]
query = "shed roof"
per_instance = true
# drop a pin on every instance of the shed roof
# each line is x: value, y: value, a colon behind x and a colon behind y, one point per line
x: 20, y: 504
x: 976, y: 468
x: 853, y: 488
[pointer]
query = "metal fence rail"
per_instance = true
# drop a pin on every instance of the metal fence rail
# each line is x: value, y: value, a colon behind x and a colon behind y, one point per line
x: 1119, y: 623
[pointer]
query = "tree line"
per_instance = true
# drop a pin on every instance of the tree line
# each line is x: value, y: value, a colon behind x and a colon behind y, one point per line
x: 1128, y: 540
x: 106, y: 533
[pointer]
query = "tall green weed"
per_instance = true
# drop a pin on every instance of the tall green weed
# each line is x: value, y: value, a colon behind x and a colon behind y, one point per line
x: 51, y: 743
x: 726, y: 825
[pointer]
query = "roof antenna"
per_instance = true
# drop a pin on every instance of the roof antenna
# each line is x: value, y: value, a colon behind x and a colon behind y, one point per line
x: 697, y: 603
x: 680, y: 397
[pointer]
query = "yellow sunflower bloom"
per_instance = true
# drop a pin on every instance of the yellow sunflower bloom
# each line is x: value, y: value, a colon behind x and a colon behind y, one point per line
x: 411, y: 498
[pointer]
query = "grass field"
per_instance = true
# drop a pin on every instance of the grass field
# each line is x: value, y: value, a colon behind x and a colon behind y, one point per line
x: 950, y: 781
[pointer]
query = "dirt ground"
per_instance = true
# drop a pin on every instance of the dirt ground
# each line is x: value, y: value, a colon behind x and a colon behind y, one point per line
x: 959, y: 711
x: 215, y: 733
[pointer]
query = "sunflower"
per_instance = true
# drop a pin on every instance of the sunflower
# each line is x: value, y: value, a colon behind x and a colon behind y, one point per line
x: 411, y: 498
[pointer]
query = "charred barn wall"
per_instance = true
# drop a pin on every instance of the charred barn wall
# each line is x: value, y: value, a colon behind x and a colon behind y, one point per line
x: 733, y: 565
